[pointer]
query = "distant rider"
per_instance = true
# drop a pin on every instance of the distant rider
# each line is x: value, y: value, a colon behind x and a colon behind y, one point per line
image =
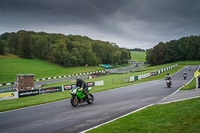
x: 168, y: 77
x: 184, y: 74
x: 190, y: 68
x: 81, y: 84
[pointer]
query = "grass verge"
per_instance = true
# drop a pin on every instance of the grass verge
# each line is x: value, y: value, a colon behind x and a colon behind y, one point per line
x: 190, y: 86
x: 179, y: 117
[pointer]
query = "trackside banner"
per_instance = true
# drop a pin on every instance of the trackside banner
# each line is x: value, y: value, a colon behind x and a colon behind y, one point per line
x: 67, y: 87
x: 28, y: 93
x: 90, y: 84
x: 50, y: 90
x: 6, y: 96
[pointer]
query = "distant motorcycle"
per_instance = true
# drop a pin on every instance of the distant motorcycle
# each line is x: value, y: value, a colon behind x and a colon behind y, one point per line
x: 169, y: 83
x: 184, y: 76
x: 189, y: 68
x: 79, y: 97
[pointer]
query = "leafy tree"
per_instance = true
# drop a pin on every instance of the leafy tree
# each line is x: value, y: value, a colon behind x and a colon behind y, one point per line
x: 125, y: 56
x: 71, y: 50
x: 13, y: 43
x: 25, y: 45
x: 90, y: 58
x: 2, y: 47
x: 41, y: 48
x: 149, y: 58
x: 117, y: 57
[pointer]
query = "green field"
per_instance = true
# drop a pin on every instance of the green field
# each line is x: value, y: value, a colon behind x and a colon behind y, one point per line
x: 179, y: 117
x: 138, y: 56
x: 9, y: 67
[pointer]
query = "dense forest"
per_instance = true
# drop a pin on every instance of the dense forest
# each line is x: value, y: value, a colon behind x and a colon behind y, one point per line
x: 185, y: 48
x: 65, y: 50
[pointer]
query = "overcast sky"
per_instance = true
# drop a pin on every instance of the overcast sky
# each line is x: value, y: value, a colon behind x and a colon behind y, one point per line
x: 128, y: 23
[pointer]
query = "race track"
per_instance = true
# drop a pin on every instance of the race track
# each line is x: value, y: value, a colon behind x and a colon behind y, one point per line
x: 62, y: 117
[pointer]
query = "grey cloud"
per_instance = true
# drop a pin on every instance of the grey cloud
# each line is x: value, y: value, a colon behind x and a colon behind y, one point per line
x: 129, y: 23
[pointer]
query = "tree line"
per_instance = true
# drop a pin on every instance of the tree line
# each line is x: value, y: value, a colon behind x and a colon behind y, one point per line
x: 185, y: 48
x: 137, y: 50
x: 65, y: 50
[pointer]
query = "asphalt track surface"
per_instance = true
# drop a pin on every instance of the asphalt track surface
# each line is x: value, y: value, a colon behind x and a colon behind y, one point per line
x: 61, y: 117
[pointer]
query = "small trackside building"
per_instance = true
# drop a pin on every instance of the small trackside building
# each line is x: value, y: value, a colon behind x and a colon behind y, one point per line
x: 25, y: 82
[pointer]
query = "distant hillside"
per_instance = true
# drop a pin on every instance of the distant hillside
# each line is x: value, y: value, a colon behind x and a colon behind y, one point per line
x: 71, y: 50
x: 138, y: 56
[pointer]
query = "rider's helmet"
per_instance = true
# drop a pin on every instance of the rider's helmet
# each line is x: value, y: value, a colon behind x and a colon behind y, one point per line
x: 184, y: 72
x: 77, y: 78
x: 167, y: 74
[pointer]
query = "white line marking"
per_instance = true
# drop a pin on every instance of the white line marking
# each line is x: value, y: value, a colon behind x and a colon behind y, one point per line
x: 117, y: 118
x: 137, y: 111
x: 179, y: 100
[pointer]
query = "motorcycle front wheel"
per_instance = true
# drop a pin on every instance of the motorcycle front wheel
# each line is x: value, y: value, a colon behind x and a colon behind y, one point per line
x: 90, y: 99
x: 74, y: 101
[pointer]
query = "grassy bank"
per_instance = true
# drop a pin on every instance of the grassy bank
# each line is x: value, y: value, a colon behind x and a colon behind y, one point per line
x: 138, y: 56
x: 42, y: 69
x: 190, y: 86
x: 180, y: 117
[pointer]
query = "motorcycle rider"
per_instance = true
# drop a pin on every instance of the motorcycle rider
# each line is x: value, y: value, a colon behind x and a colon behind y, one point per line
x: 168, y: 77
x: 189, y: 68
x: 184, y: 75
x: 81, y: 84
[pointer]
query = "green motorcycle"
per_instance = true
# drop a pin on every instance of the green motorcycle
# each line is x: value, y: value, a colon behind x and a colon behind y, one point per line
x: 79, y: 97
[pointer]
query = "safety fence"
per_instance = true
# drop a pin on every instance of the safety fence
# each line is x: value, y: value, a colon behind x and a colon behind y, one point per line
x: 13, y: 95
x: 57, y: 77
x: 134, y: 78
x: 125, y: 69
x: 126, y: 79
